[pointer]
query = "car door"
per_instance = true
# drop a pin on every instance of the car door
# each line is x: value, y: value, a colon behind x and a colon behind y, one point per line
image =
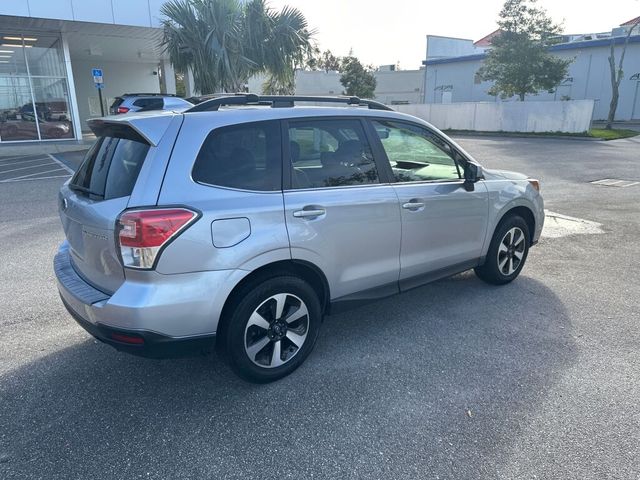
x: 443, y: 225
x: 342, y: 215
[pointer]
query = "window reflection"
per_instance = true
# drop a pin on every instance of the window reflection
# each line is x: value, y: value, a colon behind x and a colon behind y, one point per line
x: 17, y: 121
x: 32, y: 69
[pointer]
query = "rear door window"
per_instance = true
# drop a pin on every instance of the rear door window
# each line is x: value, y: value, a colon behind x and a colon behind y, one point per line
x: 246, y: 156
x: 330, y: 153
x: 110, y: 168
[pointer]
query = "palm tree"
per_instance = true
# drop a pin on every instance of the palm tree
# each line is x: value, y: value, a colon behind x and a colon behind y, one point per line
x: 224, y: 42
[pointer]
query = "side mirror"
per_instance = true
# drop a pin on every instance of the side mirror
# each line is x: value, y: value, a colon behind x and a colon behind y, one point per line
x: 472, y: 173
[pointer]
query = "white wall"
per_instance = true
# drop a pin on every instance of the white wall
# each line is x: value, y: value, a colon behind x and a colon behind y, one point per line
x: 119, y: 78
x: 399, y: 85
x: 588, y: 74
x: 568, y: 116
x: 142, y: 13
x: 442, y: 47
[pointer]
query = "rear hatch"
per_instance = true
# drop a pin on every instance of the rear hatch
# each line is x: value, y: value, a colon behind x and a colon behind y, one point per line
x: 113, y: 109
x: 94, y: 197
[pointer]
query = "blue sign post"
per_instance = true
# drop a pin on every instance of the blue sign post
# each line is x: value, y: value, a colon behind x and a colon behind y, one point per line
x: 99, y: 83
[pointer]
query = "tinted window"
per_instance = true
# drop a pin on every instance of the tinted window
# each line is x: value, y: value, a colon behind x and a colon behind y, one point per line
x: 330, y: 153
x: 149, y: 103
x: 243, y: 156
x: 117, y: 102
x: 110, y: 168
x: 415, y: 154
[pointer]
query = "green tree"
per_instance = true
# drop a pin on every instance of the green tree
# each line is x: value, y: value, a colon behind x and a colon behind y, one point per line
x: 518, y: 62
x: 357, y: 79
x: 224, y: 42
x: 329, y: 62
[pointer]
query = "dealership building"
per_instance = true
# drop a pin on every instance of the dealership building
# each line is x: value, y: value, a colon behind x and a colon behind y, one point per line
x: 48, y: 50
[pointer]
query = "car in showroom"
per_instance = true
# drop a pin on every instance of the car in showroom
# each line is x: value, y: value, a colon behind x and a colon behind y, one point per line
x: 242, y: 221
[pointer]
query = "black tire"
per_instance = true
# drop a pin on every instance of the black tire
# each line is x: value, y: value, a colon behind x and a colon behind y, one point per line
x: 490, y: 271
x: 238, y: 334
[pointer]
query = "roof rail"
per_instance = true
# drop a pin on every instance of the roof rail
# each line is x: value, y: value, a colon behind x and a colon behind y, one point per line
x: 149, y: 95
x: 276, y: 101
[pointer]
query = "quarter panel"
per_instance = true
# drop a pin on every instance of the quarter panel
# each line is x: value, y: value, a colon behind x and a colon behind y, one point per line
x: 194, y: 250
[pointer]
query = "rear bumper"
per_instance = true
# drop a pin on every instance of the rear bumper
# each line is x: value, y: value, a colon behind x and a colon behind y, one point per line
x: 153, y: 344
x: 164, y: 315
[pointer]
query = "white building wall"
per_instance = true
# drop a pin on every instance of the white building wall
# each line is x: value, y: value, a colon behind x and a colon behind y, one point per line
x: 400, y: 86
x: 441, y: 47
x: 392, y: 86
x: 588, y: 78
x: 570, y: 116
x: 142, y: 13
x: 119, y: 78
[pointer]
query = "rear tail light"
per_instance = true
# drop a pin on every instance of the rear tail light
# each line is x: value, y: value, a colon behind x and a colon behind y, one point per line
x: 142, y: 234
x: 123, y: 109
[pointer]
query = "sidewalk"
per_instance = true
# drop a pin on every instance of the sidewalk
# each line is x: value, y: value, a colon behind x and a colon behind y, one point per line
x: 35, y: 148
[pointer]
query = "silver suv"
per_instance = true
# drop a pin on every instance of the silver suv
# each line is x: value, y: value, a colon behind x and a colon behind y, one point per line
x: 242, y: 221
x: 144, y: 102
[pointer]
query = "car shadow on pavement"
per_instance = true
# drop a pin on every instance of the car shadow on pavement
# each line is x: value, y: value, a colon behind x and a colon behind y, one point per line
x: 438, y: 381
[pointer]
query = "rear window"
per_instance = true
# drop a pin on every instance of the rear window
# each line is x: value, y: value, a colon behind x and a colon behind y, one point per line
x: 110, y: 168
x: 150, y: 103
x: 117, y: 102
x: 244, y: 156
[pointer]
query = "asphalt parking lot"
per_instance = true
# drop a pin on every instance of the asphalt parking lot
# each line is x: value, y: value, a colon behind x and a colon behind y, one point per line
x: 456, y: 380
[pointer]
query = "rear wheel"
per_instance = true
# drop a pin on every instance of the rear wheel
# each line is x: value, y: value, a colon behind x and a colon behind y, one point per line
x: 272, y: 328
x: 507, y: 253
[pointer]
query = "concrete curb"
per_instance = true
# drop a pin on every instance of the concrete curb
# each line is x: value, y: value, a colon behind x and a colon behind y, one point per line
x: 43, y: 148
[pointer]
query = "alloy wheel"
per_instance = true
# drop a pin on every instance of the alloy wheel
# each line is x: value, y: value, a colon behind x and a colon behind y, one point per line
x: 276, y: 330
x: 511, y: 251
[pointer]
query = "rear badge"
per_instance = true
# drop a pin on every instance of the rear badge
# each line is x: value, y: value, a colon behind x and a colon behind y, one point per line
x: 96, y: 236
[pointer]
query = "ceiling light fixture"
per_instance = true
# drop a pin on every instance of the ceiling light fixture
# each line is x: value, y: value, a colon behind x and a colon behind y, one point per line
x: 7, y: 51
x: 28, y: 39
x: 11, y: 45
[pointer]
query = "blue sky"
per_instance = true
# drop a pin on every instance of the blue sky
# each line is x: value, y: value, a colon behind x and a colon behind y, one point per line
x: 385, y: 32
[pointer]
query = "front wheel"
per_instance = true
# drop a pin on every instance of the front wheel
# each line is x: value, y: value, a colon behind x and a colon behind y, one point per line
x: 273, y: 328
x: 507, y: 253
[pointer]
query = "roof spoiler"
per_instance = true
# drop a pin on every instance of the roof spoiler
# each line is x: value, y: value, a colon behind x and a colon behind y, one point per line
x: 145, y: 129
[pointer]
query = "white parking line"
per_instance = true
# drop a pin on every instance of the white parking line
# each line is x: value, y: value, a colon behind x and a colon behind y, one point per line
x: 60, y: 163
x: 13, y: 162
x: 8, y: 159
x: 25, y: 168
x: 37, y: 178
x: 15, y: 179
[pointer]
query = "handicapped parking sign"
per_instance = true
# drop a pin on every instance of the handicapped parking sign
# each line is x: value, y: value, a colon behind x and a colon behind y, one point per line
x: 97, y: 77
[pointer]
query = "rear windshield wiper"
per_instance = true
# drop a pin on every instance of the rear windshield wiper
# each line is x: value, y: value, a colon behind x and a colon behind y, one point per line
x: 82, y: 189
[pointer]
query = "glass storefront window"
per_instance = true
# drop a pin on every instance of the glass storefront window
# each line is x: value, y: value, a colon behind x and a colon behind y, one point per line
x: 34, y: 96
x: 52, y: 107
x: 45, y: 56
x: 17, y: 121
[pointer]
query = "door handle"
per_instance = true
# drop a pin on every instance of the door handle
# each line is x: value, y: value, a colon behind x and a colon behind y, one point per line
x: 316, y: 212
x: 413, y: 205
